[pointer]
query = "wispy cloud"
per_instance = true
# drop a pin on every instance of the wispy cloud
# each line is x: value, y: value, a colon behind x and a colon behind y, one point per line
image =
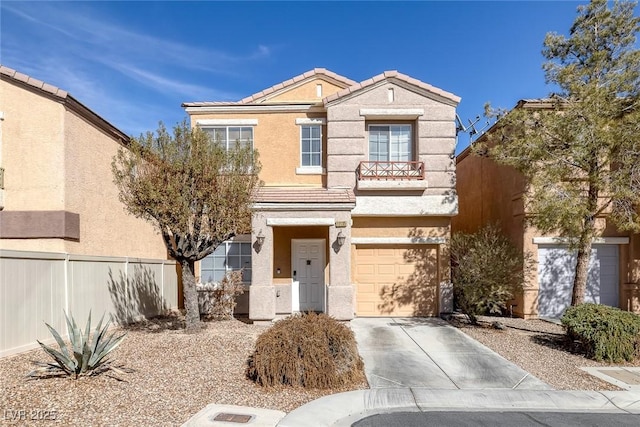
x: 186, y: 90
x: 109, y: 66
x: 117, y: 42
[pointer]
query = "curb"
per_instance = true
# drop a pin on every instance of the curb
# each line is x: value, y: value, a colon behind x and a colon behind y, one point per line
x: 344, y: 409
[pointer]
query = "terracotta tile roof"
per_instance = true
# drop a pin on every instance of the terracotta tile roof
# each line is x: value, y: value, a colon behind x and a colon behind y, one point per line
x: 388, y: 75
x: 539, y: 103
x: 252, y: 99
x: 304, y: 195
x: 9, y: 72
x: 209, y: 103
x: 296, y: 79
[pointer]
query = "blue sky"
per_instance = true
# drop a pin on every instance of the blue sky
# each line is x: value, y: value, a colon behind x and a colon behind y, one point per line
x: 134, y: 63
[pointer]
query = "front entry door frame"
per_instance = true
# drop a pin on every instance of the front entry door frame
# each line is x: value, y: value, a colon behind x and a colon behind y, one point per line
x: 310, y: 270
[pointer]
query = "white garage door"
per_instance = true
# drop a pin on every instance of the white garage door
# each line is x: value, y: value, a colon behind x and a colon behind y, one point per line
x: 556, y: 268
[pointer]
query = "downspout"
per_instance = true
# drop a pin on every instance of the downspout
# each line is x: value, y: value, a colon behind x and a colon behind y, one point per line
x: 1, y: 168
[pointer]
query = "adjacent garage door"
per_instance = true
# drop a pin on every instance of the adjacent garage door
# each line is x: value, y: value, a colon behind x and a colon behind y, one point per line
x: 396, y: 280
x: 556, y: 267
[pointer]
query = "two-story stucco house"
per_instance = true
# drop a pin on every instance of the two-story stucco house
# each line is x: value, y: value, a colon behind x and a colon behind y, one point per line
x: 358, y: 195
x: 491, y: 193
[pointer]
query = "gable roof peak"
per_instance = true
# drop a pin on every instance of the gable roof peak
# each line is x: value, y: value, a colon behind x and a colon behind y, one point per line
x: 344, y: 81
x: 393, y: 74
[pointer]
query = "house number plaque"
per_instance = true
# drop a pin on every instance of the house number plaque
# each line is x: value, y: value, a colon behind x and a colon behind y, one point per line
x: 341, y: 224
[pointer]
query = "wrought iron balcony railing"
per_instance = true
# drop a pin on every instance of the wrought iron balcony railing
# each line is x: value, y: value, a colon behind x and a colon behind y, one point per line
x: 391, y: 170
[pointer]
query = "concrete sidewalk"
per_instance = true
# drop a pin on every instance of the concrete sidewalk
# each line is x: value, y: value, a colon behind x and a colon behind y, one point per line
x: 430, y: 353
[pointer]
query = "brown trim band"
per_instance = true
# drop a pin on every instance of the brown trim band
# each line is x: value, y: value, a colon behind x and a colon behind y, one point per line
x: 39, y: 225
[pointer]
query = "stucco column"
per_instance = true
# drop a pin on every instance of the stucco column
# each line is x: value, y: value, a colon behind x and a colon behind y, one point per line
x: 340, y: 290
x: 262, y: 294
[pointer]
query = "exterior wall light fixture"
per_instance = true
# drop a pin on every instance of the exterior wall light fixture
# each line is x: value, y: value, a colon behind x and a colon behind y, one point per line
x: 260, y: 239
x: 341, y: 238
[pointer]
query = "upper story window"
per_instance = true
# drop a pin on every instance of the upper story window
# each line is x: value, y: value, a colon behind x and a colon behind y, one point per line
x: 229, y: 135
x: 311, y: 146
x: 390, y: 143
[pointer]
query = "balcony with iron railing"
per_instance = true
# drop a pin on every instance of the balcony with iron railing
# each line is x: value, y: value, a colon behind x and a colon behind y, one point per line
x: 391, y: 175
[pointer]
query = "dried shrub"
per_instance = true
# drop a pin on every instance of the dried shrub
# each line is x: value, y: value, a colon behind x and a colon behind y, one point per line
x: 218, y: 300
x: 487, y: 272
x: 606, y: 333
x: 308, y: 350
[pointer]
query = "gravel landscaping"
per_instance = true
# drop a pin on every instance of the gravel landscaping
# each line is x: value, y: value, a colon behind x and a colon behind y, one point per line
x: 172, y: 375
x: 541, y: 348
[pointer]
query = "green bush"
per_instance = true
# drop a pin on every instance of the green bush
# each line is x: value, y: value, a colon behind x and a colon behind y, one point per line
x: 308, y: 350
x: 606, y: 333
x: 87, y: 355
x: 487, y: 271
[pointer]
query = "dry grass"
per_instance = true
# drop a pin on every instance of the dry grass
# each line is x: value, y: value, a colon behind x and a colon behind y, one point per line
x: 174, y: 375
x: 540, y: 348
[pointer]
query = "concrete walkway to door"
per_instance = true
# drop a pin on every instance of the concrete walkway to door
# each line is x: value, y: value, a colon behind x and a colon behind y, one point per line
x: 428, y: 352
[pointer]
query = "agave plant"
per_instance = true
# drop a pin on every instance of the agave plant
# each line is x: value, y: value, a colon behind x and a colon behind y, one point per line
x: 87, y: 354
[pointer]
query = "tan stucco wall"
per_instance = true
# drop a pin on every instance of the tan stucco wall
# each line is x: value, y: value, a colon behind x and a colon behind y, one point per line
x: 105, y: 227
x: 488, y: 193
x: 56, y: 160
x: 306, y: 92
x: 277, y: 140
x: 32, y: 150
x: 400, y: 227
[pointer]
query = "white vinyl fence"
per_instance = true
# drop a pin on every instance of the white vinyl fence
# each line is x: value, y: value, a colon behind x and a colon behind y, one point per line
x: 37, y: 287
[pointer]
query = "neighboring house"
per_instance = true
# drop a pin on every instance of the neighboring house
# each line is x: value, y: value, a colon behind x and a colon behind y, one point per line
x: 358, y: 195
x: 491, y: 193
x: 66, y: 242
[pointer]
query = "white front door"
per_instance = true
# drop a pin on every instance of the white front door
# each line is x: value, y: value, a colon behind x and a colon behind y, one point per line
x: 307, y: 265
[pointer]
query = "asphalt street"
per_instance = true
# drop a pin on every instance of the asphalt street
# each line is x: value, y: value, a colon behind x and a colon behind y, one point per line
x: 498, y: 419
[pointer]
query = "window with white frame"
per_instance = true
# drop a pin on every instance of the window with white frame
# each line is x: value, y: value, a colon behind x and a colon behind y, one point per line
x: 390, y: 143
x: 311, y: 146
x: 229, y: 256
x: 230, y: 135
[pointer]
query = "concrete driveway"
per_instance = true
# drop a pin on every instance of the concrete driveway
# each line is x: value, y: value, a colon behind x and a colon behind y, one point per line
x: 430, y: 353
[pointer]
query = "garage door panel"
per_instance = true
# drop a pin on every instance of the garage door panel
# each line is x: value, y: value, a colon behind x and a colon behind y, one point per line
x: 365, y: 269
x: 386, y: 269
x: 406, y: 269
x: 397, y: 285
x: 366, y: 288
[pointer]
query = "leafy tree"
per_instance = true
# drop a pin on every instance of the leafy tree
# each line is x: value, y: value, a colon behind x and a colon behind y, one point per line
x: 580, y: 149
x: 197, y: 193
x: 487, y: 271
